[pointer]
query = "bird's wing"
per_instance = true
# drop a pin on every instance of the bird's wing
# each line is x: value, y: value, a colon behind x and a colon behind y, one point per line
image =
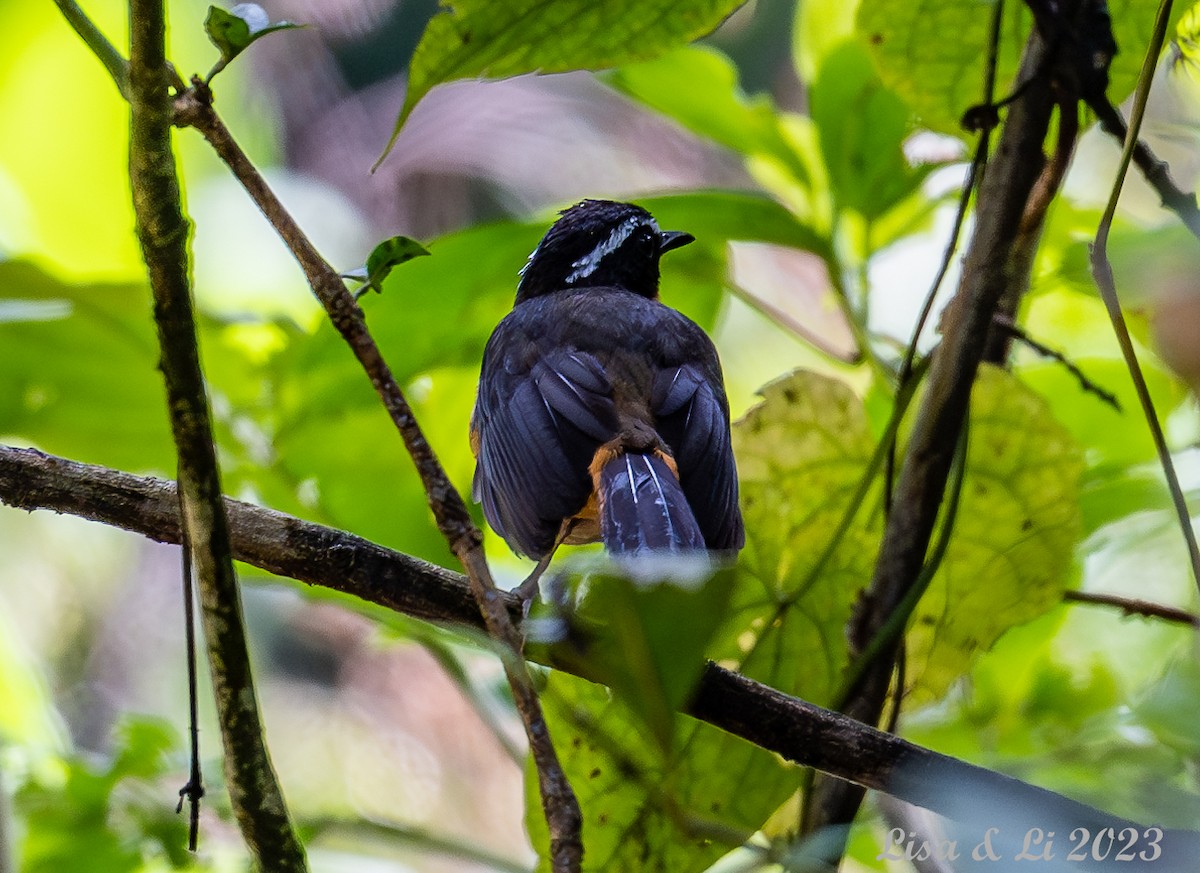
x: 692, y: 417
x: 535, y: 432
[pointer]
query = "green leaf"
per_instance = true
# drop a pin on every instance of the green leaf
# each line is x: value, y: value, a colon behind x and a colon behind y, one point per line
x: 1171, y: 708
x: 941, y: 77
x: 697, y: 86
x: 78, y: 370
x: 1018, y: 523
x: 384, y: 257
x: 862, y: 126
x: 232, y: 32
x: 85, y: 822
x: 476, y: 38
x: 821, y: 26
x: 643, y: 811
x: 625, y: 631
x: 800, y: 453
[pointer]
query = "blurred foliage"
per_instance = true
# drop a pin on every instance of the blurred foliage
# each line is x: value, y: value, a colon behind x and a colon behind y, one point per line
x: 1060, y: 488
x: 108, y: 816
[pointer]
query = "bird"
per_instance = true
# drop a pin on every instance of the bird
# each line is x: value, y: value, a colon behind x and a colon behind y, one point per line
x: 601, y: 413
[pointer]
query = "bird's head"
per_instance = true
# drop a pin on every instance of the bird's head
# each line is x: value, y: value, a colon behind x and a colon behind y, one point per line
x: 599, y: 243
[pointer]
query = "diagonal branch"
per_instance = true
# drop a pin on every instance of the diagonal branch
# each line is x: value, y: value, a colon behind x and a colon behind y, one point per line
x: 194, y: 108
x: 163, y: 232
x: 1155, y: 171
x: 116, y: 65
x: 801, y: 732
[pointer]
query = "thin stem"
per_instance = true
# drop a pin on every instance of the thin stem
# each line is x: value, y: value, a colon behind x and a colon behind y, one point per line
x: 1103, y: 275
x: 449, y: 510
x: 1134, y: 606
x: 194, y: 789
x: 1155, y: 171
x: 116, y: 65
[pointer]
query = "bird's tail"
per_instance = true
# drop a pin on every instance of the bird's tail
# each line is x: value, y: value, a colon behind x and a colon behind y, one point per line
x: 642, y: 507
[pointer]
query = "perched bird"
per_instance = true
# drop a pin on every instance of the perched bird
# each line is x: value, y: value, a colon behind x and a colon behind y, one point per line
x: 601, y: 413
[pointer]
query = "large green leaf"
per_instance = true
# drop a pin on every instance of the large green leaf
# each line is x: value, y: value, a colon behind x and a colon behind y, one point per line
x: 1012, y: 548
x: 801, y: 454
x: 932, y: 52
x: 643, y: 811
x: 624, y: 630
x: 475, y: 38
x: 862, y: 126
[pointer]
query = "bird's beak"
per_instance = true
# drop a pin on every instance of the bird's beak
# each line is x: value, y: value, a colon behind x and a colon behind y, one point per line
x: 673, y: 239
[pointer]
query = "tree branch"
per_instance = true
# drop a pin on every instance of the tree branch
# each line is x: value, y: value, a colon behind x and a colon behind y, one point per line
x: 194, y: 108
x: 1135, y: 606
x: 162, y: 230
x: 799, y: 731
x: 1155, y: 171
x: 987, y: 273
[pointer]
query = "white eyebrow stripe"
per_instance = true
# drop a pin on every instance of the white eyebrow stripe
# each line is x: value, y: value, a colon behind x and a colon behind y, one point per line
x: 587, y: 265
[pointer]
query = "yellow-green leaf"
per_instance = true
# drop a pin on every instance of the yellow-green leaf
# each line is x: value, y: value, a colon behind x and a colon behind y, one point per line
x: 475, y: 38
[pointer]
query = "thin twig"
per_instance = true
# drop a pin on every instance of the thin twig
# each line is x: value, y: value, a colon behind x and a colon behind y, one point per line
x: 1155, y: 171
x: 1133, y: 606
x: 193, y: 790
x: 163, y: 233
x: 1103, y: 275
x: 116, y: 65
x: 559, y: 803
x: 1070, y: 366
x: 799, y: 731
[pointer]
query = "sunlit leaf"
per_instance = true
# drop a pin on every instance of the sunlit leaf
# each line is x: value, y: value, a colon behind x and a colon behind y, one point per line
x: 232, y: 32
x: 474, y: 38
x: 390, y: 253
x: 801, y: 453
x: 643, y: 811
x: 625, y: 631
x: 821, y: 26
x: 941, y: 76
x: 862, y: 126
x: 78, y: 370
x: 1012, y: 549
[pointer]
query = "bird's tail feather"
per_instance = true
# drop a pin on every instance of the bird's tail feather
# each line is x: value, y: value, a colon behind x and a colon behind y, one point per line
x: 643, y: 508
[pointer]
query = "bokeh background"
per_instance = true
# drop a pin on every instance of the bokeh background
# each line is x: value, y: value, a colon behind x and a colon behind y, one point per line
x: 395, y: 742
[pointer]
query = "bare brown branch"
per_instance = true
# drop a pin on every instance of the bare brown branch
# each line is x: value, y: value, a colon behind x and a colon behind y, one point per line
x: 1134, y: 606
x: 1155, y: 171
x: 194, y: 108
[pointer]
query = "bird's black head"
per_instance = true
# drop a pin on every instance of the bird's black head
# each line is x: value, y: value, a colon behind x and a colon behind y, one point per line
x: 599, y: 243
